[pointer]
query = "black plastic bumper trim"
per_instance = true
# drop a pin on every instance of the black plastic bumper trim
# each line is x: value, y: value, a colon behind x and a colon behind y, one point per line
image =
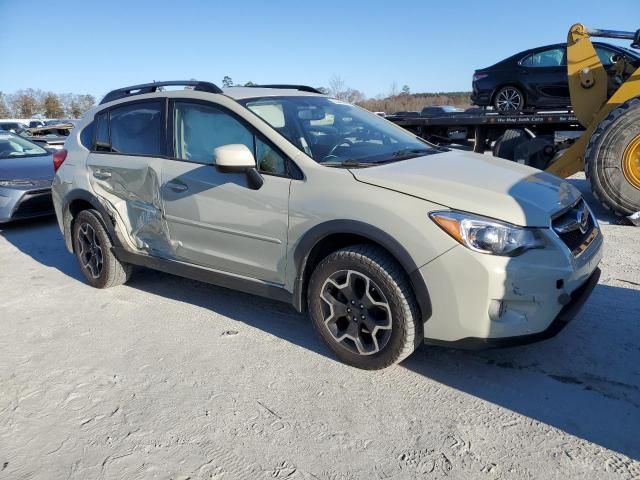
x: 203, y: 274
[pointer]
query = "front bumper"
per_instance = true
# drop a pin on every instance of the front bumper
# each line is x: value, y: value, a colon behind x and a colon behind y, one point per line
x: 568, y: 312
x: 18, y: 204
x: 484, y: 300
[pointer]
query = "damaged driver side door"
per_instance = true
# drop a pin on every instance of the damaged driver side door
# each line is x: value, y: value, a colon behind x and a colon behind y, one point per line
x: 125, y: 167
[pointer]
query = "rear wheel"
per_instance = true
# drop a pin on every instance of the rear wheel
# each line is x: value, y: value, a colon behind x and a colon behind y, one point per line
x: 362, y: 305
x: 508, y: 99
x: 92, y: 247
x: 612, y: 159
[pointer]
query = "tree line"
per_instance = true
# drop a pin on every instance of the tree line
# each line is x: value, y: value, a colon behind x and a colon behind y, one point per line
x: 30, y: 103
x: 395, y: 100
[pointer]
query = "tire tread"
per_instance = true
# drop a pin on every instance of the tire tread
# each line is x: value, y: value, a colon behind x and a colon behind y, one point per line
x: 384, y: 264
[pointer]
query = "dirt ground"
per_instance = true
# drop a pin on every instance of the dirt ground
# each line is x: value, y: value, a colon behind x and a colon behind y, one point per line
x: 170, y: 378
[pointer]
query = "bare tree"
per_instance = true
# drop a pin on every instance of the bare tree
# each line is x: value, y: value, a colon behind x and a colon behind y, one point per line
x: 85, y: 102
x: 405, y: 90
x: 393, y: 90
x: 337, y: 87
x: 352, y: 95
x: 4, y: 108
x: 52, y: 106
x: 24, y: 103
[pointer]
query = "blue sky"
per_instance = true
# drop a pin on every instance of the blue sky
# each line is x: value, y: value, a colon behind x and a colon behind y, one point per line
x: 428, y: 45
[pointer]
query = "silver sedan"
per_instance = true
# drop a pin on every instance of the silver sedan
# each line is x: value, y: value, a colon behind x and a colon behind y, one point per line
x: 26, y: 172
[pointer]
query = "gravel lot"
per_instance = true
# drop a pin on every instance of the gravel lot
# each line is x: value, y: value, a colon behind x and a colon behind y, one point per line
x: 170, y: 378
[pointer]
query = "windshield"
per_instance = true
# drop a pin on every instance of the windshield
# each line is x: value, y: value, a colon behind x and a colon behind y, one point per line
x: 336, y: 133
x: 633, y: 53
x: 13, y: 146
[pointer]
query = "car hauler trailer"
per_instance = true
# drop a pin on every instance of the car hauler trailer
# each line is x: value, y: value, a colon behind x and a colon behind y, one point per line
x: 606, y: 107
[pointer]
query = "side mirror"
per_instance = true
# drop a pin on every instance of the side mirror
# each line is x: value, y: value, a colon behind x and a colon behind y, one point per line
x: 234, y: 157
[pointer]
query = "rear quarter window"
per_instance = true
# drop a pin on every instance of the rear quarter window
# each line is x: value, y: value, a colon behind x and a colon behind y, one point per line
x: 86, y: 136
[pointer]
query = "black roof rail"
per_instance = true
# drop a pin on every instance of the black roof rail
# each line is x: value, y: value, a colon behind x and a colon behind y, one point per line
x: 154, y: 86
x: 302, y: 88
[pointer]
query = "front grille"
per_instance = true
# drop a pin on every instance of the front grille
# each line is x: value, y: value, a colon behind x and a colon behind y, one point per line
x: 576, y: 227
x: 34, y: 203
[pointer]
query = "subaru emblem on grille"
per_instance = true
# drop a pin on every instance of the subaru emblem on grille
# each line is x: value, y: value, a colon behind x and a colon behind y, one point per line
x: 583, y: 219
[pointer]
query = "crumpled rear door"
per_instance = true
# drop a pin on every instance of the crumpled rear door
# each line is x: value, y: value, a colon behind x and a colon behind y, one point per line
x: 130, y: 187
x: 124, y: 171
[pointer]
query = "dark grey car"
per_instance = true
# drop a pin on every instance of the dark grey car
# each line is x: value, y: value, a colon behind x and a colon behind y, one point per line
x: 26, y: 172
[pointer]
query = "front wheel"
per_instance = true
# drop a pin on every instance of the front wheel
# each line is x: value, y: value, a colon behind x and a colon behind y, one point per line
x: 508, y: 100
x: 362, y: 305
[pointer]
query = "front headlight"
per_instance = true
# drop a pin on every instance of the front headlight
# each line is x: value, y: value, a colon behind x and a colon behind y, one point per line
x: 486, y: 235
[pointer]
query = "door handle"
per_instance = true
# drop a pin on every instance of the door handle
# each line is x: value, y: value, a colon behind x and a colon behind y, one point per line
x: 101, y: 174
x: 177, y: 186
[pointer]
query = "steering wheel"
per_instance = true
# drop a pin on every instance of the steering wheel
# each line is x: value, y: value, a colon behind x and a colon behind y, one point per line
x: 341, y: 142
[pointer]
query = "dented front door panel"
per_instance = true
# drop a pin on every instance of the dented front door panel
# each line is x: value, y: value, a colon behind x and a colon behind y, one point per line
x: 129, y: 187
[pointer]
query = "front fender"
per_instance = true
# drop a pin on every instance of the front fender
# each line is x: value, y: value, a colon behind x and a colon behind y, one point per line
x: 313, y: 237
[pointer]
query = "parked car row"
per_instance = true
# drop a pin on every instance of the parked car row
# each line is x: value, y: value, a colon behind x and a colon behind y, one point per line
x: 26, y: 172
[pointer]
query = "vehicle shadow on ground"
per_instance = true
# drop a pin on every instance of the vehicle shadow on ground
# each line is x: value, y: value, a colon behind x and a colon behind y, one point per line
x: 603, y: 215
x: 585, y: 381
x: 41, y: 239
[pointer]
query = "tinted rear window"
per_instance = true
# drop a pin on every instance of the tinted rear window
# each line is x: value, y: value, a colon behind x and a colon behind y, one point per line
x: 137, y: 129
x: 86, y: 136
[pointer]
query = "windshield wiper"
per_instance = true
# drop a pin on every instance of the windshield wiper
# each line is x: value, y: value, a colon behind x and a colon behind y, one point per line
x: 410, y: 151
x: 407, y: 153
x: 349, y: 163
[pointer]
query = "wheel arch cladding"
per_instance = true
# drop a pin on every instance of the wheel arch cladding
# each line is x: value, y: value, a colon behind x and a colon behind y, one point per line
x: 78, y: 200
x: 333, y: 235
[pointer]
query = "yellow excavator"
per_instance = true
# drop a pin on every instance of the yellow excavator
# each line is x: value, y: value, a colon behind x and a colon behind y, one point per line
x: 608, y: 107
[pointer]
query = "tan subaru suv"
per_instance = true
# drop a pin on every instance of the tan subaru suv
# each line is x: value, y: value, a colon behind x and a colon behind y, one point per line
x: 280, y: 191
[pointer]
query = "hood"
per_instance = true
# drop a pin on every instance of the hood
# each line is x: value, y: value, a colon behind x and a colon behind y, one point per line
x: 479, y: 184
x: 27, y: 168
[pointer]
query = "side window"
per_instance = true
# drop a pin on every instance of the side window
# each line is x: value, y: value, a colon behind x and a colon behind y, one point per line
x: 199, y: 129
x: 269, y: 160
x: 547, y: 58
x: 86, y: 136
x: 136, y: 129
x: 606, y: 56
x: 102, y: 143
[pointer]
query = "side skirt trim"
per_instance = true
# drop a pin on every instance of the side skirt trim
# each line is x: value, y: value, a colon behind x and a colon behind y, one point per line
x: 202, y: 274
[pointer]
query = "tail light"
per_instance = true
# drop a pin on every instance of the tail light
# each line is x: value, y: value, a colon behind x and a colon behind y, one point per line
x: 58, y: 159
x: 479, y: 76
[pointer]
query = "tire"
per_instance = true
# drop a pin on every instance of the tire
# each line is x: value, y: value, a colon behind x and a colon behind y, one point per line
x: 507, y: 143
x: 377, y: 279
x: 605, y: 159
x: 97, y: 262
x: 508, y: 99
